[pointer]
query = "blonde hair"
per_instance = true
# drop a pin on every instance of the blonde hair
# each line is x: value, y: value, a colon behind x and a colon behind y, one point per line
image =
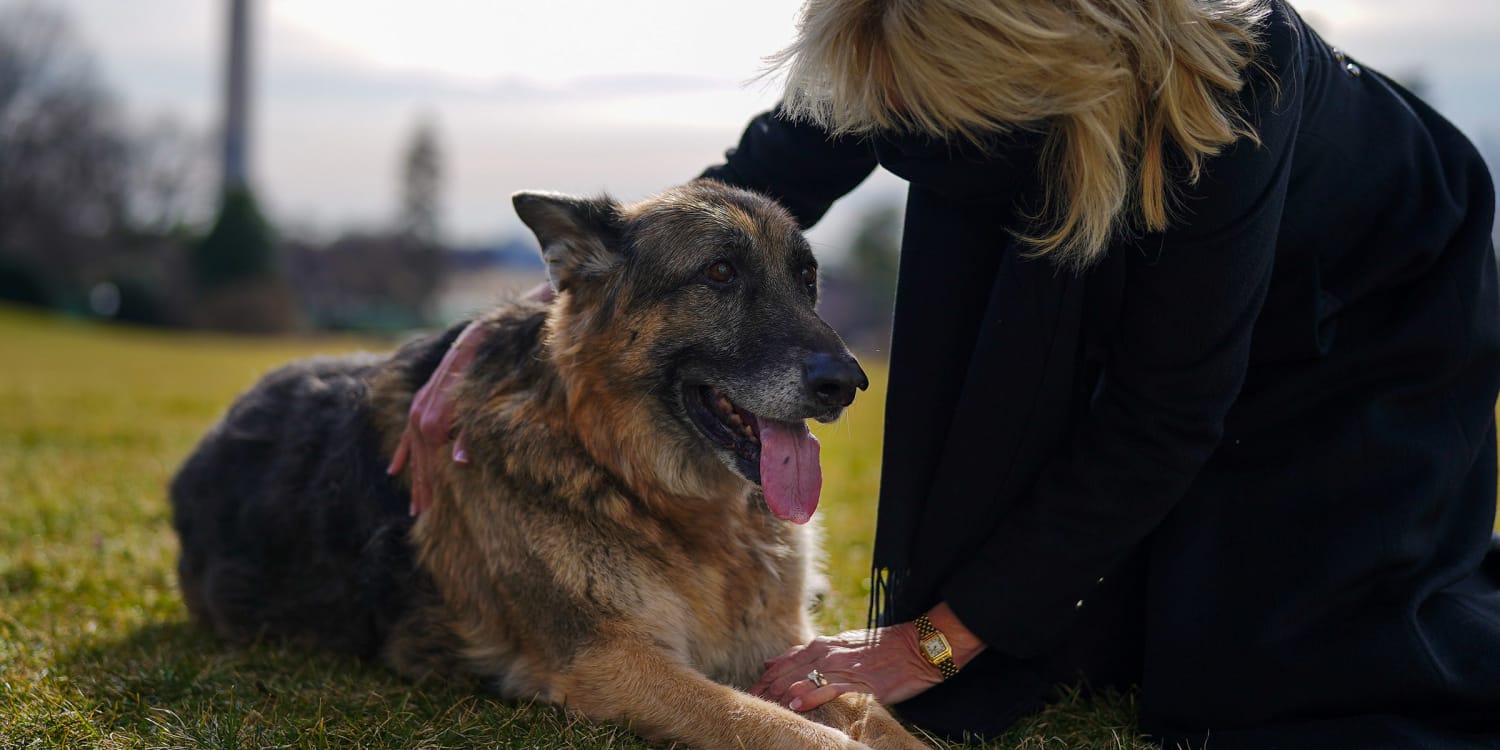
x: 1112, y: 82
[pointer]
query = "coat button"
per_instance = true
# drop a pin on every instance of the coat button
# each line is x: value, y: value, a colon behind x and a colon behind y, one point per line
x: 1079, y: 605
x: 1338, y: 54
x: 1352, y: 69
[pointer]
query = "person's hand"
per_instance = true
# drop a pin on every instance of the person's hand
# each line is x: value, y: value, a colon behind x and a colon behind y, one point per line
x: 885, y: 662
x: 430, y: 420
x: 429, y: 423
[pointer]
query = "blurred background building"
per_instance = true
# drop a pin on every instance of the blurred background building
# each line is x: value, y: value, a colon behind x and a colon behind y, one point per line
x: 384, y: 139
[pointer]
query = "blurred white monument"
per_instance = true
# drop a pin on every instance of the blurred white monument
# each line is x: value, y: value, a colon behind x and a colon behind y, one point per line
x: 237, y: 98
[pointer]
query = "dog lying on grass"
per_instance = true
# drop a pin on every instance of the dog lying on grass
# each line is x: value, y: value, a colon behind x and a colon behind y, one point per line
x: 626, y: 539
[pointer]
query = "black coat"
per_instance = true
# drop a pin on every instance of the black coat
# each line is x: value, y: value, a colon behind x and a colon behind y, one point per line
x: 1249, y: 462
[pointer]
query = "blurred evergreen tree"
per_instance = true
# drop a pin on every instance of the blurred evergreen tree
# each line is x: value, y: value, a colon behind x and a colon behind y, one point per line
x: 239, y: 247
x: 421, y: 185
x: 875, y: 255
x: 414, y: 284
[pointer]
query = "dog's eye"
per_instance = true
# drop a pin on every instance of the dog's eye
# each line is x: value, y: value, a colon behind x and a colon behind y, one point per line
x: 719, y: 272
x: 810, y: 276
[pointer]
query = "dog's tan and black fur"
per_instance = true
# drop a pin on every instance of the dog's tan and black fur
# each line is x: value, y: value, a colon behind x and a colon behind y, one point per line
x: 607, y: 546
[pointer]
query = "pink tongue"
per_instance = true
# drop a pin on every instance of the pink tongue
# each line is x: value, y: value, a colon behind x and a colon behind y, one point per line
x: 790, y: 475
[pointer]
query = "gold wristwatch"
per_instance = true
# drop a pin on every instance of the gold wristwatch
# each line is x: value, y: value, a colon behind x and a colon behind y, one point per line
x: 935, y: 647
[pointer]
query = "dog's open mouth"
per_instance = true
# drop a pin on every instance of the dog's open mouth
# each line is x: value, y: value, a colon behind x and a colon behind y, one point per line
x: 782, y: 457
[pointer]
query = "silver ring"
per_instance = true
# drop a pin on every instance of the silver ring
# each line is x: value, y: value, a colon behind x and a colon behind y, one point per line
x: 817, y: 678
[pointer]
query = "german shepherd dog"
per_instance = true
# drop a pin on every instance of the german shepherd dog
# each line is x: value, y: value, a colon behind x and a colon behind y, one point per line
x: 626, y: 539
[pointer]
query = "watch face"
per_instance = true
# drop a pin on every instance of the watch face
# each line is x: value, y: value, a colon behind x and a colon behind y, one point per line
x: 935, y: 647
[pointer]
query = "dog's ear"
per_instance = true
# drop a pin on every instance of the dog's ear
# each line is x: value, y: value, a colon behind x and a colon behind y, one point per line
x: 580, y: 237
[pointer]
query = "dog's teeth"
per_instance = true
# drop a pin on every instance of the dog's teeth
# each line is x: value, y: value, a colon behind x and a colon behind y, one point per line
x: 735, y: 420
x: 748, y: 432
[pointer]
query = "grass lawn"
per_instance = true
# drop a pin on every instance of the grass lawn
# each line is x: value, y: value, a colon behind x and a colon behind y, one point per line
x: 95, y: 646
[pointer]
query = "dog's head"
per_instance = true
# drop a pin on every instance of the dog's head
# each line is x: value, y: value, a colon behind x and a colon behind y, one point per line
x: 690, y: 317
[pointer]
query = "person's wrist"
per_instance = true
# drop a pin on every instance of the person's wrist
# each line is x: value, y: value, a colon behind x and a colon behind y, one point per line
x: 964, y: 643
x: 912, y: 645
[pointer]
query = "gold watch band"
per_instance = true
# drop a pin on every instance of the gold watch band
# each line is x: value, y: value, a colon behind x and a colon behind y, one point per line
x: 935, y: 647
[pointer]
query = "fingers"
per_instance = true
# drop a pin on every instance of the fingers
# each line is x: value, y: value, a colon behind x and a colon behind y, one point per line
x: 398, y: 461
x: 781, y: 671
x: 432, y: 409
x: 796, y: 662
x: 804, y: 695
x: 463, y: 351
x: 786, y: 676
x: 777, y: 664
x: 809, y: 696
x: 466, y: 333
x: 421, y: 499
x: 429, y: 423
x: 429, y: 410
x: 889, y: 668
x: 421, y: 486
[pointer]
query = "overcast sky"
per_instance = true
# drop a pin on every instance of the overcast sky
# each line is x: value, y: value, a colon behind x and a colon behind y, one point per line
x: 577, y: 96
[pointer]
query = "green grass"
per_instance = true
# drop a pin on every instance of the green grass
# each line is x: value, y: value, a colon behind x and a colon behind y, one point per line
x: 96, y: 649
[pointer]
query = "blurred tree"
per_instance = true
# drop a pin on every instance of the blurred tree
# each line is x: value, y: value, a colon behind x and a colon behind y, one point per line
x: 239, y: 247
x: 239, y: 286
x: 857, y: 295
x: 421, y: 184
x: 420, y: 272
x: 64, y: 166
x: 380, y: 280
x: 171, y: 178
x: 238, y: 282
x: 875, y: 254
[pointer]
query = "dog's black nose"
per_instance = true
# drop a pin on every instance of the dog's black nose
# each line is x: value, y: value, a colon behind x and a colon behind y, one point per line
x: 832, y: 378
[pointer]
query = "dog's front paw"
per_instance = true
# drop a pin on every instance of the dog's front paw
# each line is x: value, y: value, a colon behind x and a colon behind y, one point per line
x: 884, y: 733
x: 853, y: 744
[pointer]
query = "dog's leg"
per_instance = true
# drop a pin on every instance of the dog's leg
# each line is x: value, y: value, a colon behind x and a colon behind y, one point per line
x: 421, y: 646
x: 867, y: 721
x: 634, y: 683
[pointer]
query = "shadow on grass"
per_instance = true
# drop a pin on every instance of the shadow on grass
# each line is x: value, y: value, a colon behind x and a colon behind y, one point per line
x: 173, y: 685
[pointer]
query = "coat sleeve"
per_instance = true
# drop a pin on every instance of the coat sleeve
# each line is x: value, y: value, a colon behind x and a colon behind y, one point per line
x: 798, y: 164
x: 1176, y: 365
